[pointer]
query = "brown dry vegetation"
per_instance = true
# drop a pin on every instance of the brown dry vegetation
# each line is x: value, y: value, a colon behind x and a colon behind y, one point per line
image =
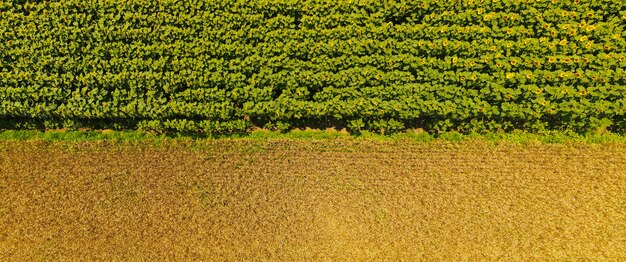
x: 321, y: 200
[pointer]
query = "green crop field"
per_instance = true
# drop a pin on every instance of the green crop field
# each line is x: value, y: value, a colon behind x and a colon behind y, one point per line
x: 228, y: 66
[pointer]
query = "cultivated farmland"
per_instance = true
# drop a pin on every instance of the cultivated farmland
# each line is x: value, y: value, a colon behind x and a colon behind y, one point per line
x: 227, y: 66
x: 390, y: 74
x: 321, y: 200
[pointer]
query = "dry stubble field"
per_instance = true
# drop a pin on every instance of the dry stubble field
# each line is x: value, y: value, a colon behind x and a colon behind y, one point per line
x: 303, y: 200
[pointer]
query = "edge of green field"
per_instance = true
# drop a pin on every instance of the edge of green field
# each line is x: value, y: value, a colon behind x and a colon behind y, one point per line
x: 550, y: 137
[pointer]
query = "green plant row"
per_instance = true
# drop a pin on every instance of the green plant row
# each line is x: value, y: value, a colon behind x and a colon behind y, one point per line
x: 223, y: 67
x: 145, y: 138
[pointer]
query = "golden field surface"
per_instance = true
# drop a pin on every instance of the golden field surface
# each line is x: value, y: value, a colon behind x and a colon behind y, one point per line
x: 225, y: 200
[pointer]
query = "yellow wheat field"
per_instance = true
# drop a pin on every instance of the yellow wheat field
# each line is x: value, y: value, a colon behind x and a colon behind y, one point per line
x: 292, y: 200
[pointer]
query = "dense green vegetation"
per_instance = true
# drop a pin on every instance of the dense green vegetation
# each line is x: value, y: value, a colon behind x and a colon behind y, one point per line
x: 224, y: 66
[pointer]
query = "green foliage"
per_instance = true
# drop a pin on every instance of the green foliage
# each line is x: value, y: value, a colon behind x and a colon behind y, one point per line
x: 222, y: 67
x: 110, y: 136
